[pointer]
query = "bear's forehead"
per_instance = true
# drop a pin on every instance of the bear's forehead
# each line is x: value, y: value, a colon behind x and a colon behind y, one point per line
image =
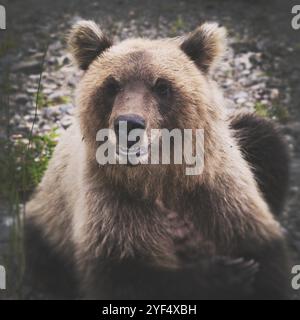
x: 147, y: 59
x: 153, y: 46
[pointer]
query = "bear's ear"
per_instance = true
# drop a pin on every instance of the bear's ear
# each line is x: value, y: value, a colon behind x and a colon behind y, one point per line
x: 205, y: 46
x: 86, y: 41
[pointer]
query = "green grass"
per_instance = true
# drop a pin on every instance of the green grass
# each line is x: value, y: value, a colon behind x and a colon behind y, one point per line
x: 276, y: 111
x: 177, y: 26
x: 261, y: 109
x: 23, y: 165
x: 61, y: 100
x: 43, y: 101
x: 37, y: 158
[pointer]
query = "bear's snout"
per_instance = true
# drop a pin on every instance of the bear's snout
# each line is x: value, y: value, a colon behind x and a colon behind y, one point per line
x: 124, y: 124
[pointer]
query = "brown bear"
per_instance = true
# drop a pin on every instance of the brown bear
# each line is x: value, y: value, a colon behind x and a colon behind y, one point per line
x: 150, y: 231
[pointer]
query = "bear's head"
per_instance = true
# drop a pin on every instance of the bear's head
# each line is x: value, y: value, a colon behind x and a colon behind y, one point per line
x: 149, y: 84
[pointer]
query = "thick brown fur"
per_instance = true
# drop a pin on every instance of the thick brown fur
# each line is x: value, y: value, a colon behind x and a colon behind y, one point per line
x: 267, y: 152
x: 121, y: 226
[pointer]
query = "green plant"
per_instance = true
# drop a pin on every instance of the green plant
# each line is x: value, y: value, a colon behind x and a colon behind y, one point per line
x: 60, y: 100
x: 23, y: 164
x: 41, y: 99
x: 276, y: 111
x: 38, y: 156
x: 261, y: 109
x: 177, y: 26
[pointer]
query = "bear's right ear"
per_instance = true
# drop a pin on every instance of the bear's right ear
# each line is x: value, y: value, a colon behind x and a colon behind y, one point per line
x: 205, y: 46
x: 86, y: 42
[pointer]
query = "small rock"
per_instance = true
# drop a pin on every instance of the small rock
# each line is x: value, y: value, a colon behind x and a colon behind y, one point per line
x: 56, y: 46
x: 274, y: 94
x: 47, y: 91
x: 28, y: 67
x: 66, y: 121
x: 21, y: 98
x: 56, y: 96
x: 241, y: 96
x: 63, y: 60
x: 45, y: 128
x: 294, y: 190
x: 51, y: 112
x: 31, y: 90
x: 67, y: 109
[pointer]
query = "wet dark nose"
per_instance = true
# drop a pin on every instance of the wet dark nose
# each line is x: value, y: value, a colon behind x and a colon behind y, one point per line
x: 133, y: 122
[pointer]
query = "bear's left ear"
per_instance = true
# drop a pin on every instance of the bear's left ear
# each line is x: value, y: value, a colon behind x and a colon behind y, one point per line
x: 206, y: 45
x: 86, y: 41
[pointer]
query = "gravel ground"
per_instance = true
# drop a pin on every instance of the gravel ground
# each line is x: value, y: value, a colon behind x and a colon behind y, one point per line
x: 261, y: 70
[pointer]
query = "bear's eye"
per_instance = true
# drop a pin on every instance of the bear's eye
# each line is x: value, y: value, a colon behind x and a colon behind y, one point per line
x: 112, y: 87
x: 162, y: 88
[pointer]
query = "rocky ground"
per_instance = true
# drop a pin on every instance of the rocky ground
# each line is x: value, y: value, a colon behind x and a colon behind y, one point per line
x: 261, y: 71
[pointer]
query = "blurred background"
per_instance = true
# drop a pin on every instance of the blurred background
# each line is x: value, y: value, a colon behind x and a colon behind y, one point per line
x: 261, y: 73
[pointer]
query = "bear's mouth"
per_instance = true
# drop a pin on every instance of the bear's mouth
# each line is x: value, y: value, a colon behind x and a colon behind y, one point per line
x: 133, y: 151
x: 132, y: 156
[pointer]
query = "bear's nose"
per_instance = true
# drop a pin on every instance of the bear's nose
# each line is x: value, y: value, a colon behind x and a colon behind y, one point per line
x: 125, y: 123
x: 133, y: 121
